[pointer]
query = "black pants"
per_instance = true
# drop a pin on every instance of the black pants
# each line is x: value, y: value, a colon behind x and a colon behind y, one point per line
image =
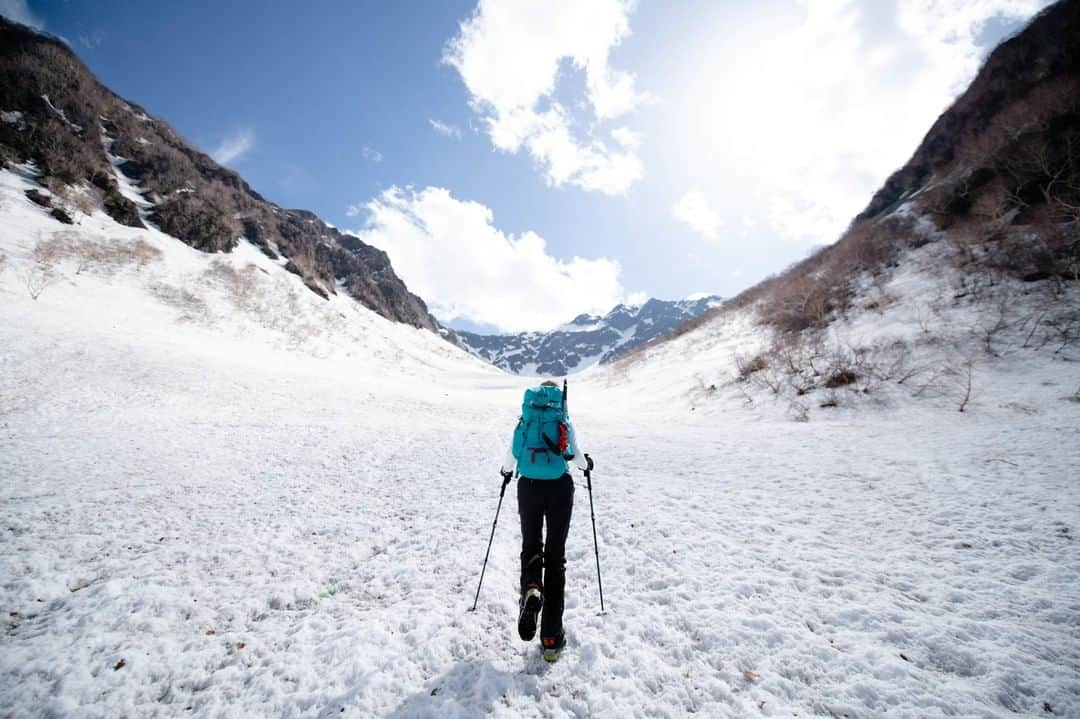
x: 544, y: 563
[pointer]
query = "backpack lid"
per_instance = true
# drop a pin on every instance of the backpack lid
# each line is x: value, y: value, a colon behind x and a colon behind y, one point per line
x: 543, y: 397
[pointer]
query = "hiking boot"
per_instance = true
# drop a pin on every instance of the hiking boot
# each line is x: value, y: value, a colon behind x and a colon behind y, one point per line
x: 531, y: 602
x: 553, y: 646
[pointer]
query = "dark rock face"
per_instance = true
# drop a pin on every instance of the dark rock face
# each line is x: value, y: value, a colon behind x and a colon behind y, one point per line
x: 586, y: 340
x: 39, y: 198
x: 77, y: 131
x: 122, y: 210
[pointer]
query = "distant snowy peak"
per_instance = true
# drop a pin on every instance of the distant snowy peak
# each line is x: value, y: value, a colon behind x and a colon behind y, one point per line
x: 587, y: 339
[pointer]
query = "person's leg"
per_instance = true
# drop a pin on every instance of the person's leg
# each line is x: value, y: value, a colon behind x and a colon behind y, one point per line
x: 531, y: 511
x: 559, y: 506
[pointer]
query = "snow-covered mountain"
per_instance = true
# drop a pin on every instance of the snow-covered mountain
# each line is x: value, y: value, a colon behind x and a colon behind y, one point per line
x: 92, y: 149
x: 963, y: 270
x: 586, y: 340
x: 225, y: 495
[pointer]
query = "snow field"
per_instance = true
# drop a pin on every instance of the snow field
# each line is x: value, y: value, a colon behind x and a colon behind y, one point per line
x: 205, y: 517
x: 261, y: 551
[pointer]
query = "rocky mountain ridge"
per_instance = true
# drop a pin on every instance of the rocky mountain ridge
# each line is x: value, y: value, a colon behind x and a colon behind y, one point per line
x: 998, y: 175
x: 587, y: 339
x: 96, y: 150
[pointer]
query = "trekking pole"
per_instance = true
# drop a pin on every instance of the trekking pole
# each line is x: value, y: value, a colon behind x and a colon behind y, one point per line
x: 506, y: 481
x: 592, y: 515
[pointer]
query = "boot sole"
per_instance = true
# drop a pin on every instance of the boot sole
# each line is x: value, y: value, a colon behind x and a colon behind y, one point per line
x: 527, y: 618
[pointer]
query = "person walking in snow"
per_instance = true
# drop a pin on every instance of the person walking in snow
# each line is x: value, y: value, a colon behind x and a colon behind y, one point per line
x: 544, y: 442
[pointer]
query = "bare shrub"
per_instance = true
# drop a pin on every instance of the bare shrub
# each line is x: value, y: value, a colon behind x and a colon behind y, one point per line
x: 832, y: 399
x: 1019, y: 198
x: 899, y: 366
x: 840, y: 378
x: 772, y: 378
x: 798, y: 365
x: 37, y: 278
x: 82, y: 197
x: 967, y: 375
x: 47, y: 252
x: 106, y: 255
x: 748, y: 367
x: 813, y: 292
x: 142, y: 253
x: 1064, y: 330
x: 242, y: 285
x: 204, y: 221
x: 300, y: 334
x: 799, y: 411
x: 935, y: 384
x: 116, y: 253
x: 192, y: 308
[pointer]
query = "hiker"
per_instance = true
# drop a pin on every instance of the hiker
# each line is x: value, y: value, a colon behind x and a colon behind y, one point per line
x: 543, y: 443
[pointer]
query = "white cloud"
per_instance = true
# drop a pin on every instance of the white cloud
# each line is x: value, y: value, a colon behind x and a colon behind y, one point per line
x: 19, y: 11
x: 233, y: 146
x: 449, y: 252
x: 371, y: 154
x: 694, y: 210
x: 92, y: 40
x: 443, y: 129
x: 510, y: 54
x: 815, y: 110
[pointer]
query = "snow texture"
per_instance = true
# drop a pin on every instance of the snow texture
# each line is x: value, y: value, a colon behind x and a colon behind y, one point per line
x: 127, y: 188
x: 204, y: 516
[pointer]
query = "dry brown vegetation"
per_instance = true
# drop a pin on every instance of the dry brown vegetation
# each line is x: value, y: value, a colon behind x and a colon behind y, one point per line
x: 999, y: 177
x: 205, y: 205
x: 191, y: 307
x: 241, y: 285
x: 1043, y: 52
x: 1007, y: 318
x: 89, y: 253
x: 37, y: 278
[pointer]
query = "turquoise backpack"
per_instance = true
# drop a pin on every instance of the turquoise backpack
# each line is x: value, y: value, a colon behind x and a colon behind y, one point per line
x: 542, y: 437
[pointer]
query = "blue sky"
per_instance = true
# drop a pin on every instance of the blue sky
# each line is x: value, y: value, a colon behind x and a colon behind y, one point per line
x: 671, y: 148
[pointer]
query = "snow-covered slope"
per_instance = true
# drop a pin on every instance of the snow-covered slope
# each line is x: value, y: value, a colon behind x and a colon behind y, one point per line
x: 210, y: 509
x: 587, y: 340
x: 95, y: 149
x: 143, y: 287
x: 926, y: 332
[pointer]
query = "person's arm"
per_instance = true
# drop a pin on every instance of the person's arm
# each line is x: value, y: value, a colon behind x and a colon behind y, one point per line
x: 509, y: 463
x: 578, y: 456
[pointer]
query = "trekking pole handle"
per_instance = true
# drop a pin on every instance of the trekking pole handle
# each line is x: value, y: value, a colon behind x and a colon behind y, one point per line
x: 507, y: 476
